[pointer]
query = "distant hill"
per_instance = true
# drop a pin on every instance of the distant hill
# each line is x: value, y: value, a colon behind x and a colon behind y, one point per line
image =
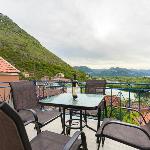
x: 84, y: 69
x: 28, y: 55
x: 113, y: 71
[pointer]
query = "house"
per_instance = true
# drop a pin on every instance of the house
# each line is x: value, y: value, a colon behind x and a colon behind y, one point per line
x: 8, y: 72
x: 45, y: 78
x: 115, y: 100
x: 59, y: 77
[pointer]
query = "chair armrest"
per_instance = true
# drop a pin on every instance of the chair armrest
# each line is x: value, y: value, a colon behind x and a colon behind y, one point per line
x: 35, y: 121
x: 74, y: 138
x: 123, y: 124
x: 34, y: 115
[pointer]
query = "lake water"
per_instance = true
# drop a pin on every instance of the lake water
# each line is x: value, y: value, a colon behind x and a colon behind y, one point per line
x: 124, y: 94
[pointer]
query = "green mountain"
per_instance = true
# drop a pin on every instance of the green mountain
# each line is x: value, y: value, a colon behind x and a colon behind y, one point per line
x: 84, y: 69
x: 28, y: 55
x: 114, y: 71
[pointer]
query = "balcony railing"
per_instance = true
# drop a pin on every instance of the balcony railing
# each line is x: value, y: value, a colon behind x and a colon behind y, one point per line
x: 117, y: 95
x: 120, y: 95
x: 42, y: 89
x: 5, y: 92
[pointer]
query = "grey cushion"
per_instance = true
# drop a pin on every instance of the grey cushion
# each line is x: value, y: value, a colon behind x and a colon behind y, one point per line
x: 126, y: 134
x: 43, y: 116
x: 52, y: 141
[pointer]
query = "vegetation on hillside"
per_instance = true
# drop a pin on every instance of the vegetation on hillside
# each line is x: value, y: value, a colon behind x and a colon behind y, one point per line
x: 28, y: 55
x: 114, y: 71
x: 130, y: 82
x: 128, y: 79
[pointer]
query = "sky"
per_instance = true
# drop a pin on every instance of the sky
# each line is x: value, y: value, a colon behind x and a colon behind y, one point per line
x: 93, y: 33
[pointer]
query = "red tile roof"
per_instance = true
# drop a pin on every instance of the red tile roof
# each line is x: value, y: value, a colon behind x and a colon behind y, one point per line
x: 6, y: 67
x: 115, y: 100
x: 147, y: 117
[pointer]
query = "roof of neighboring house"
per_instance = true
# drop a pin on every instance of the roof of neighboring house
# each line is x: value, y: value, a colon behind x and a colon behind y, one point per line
x: 60, y: 79
x: 6, y: 67
x: 115, y: 100
x: 147, y: 117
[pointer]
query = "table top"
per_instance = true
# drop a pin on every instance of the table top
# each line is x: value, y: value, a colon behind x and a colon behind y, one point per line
x: 84, y: 101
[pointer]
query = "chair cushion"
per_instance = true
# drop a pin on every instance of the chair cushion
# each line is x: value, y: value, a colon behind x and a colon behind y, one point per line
x: 52, y: 141
x: 43, y: 116
x: 125, y: 134
x: 92, y: 112
x: 147, y: 127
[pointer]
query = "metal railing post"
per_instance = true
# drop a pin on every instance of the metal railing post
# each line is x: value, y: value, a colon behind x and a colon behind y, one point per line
x: 120, y: 110
x: 111, y: 103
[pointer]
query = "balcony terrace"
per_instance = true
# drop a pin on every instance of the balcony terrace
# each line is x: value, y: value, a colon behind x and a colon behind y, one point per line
x: 138, y: 98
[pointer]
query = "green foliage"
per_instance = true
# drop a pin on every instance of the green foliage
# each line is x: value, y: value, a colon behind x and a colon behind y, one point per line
x: 124, y: 115
x: 114, y: 72
x: 28, y: 55
x: 130, y: 80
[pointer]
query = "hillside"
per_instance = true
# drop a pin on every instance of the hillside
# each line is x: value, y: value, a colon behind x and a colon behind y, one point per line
x: 114, y: 72
x: 28, y: 55
x: 84, y: 69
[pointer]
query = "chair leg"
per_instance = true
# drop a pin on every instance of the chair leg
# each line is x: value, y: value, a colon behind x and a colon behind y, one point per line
x: 105, y: 109
x: 61, y: 117
x: 99, y: 143
x: 103, y: 141
x: 84, y: 144
x: 37, y: 127
x: 97, y: 140
x: 67, y: 131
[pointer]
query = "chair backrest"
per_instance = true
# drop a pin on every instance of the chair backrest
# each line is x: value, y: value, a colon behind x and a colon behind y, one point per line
x: 13, y: 135
x: 95, y: 86
x: 23, y: 94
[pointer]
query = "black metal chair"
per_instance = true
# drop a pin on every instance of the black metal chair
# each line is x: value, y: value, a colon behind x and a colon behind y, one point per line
x: 129, y: 134
x: 13, y: 135
x: 26, y: 104
x: 94, y: 87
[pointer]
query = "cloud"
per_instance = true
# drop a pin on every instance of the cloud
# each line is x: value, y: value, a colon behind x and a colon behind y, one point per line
x: 99, y: 33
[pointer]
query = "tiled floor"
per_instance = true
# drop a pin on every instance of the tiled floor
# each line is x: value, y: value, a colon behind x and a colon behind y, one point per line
x: 90, y: 135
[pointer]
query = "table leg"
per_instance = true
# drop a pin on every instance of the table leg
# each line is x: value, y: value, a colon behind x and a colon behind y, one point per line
x: 63, y: 132
x: 70, y: 122
x: 85, y: 117
x: 80, y: 120
x: 99, y: 119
